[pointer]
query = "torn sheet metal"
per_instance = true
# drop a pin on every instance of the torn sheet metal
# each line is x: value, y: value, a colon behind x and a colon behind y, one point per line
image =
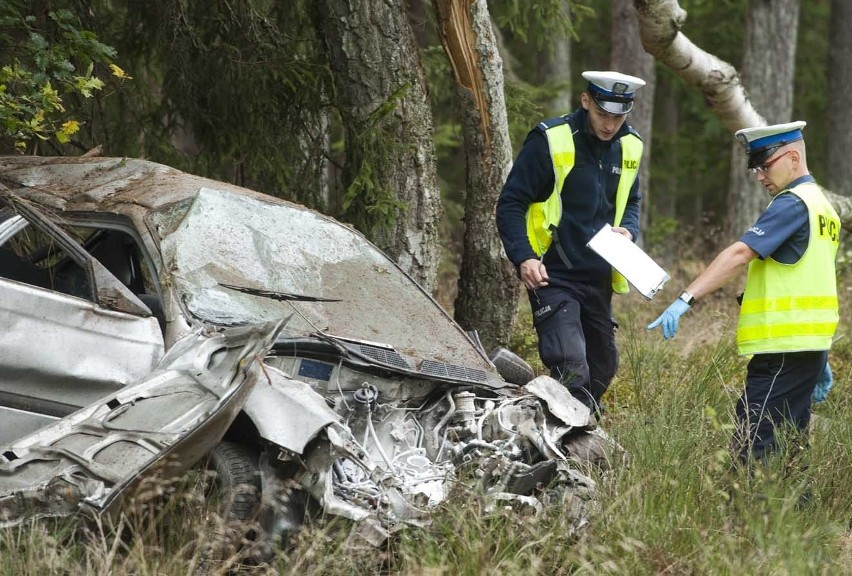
x: 560, y: 402
x: 160, y: 425
x: 289, y: 413
x: 68, y: 349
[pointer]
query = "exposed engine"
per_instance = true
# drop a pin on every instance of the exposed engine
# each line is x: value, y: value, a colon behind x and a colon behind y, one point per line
x: 402, y: 443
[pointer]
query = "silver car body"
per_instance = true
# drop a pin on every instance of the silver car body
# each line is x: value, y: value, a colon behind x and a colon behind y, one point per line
x: 374, y: 401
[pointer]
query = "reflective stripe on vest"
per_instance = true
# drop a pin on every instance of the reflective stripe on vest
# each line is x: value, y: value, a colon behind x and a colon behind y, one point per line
x: 793, y: 307
x: 543, y: 217
x: 631, y: 154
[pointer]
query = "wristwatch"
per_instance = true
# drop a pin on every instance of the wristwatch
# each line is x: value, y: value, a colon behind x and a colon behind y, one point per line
x: 687, y: 298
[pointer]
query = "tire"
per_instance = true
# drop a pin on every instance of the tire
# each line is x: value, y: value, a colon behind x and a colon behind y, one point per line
x: 235, y: 480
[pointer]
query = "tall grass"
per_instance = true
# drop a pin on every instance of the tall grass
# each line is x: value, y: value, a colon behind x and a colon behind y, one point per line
x: 676, y: 505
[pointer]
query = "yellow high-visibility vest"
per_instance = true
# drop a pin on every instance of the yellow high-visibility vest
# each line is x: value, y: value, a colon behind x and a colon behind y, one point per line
x: 544, y: 217
x: 793, y: 307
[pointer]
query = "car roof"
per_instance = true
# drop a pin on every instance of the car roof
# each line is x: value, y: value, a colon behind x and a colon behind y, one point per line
x: 127, y: 186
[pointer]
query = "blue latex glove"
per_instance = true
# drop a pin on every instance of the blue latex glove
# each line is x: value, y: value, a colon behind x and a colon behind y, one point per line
x: 670, y: 317
x: 824, y: 384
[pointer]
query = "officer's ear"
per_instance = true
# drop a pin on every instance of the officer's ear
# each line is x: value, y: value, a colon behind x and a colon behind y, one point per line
x: 795, y: 157
x: 585, y: 100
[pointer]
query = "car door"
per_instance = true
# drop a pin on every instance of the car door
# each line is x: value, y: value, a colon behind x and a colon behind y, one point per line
x: 71, y: 332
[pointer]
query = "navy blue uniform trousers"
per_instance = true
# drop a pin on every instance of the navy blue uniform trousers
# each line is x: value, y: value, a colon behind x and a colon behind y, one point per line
x: 777, y: 393
x: 576, y: 337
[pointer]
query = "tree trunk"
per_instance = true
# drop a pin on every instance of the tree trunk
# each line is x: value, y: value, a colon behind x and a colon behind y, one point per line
x: 419, y: 19
x: 659, y: 24
x: 839, y: 177
x: 314, y: 142
x: 666, y: 195
x: 488, y: 287
x: 629, y: 57
x: 555, y: 66
x: 769, y: 62
x: 389, y: 174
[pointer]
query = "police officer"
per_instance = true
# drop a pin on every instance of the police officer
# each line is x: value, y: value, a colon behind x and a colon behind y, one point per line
x: 573, y: 175
x: 789, y: 308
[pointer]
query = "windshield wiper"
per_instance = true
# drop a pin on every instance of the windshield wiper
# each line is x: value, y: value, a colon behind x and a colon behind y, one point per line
x: 280, y: 296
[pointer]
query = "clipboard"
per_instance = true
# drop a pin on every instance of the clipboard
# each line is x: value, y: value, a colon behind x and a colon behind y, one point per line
x: 640, y: 270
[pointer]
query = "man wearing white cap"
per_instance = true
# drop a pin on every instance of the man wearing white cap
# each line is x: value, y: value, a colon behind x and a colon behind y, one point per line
x: 789, y: 308
x: 575, y: 174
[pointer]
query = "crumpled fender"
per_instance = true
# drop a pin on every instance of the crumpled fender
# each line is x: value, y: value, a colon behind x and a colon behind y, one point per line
x: 287, y: 412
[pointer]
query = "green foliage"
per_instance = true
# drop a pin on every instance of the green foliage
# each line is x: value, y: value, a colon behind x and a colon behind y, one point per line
x: 236, y: 91
x: 448, y: 137
x: 717, y: 27
x: 524, y: 108
x: 661, y: 228
x: 539, y: 22
x: 369, y: 203
x: 45, y: 60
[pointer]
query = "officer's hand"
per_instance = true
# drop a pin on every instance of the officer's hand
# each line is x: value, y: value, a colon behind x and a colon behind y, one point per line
x: 623, y: 231
x: 669, y: 318
x: 824, y: 384
x: 533, y: 274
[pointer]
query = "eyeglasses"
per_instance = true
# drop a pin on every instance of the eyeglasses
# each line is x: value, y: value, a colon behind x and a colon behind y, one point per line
x: 767, y: 165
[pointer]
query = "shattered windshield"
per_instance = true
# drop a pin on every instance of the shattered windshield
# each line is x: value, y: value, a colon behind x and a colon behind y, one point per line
x: 222, y: 249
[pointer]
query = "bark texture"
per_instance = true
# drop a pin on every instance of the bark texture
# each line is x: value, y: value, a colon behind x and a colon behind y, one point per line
x: 381, y: 90
x: 629, y: 57
x: 769, y: 64
x: 488, y: 286
x: 555, y: 66
x: 660, y: 22
x: 839, y: 177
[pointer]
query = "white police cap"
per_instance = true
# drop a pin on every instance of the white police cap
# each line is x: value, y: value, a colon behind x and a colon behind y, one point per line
x: 613, y: 91
x: 762, y: 141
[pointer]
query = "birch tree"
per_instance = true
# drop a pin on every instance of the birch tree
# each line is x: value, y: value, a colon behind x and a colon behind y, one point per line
x: 660, y: 23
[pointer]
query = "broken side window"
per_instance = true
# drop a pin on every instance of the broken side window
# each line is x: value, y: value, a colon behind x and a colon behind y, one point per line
x: 40, y: 251
x: 30, y: 255
x: 121, y: 254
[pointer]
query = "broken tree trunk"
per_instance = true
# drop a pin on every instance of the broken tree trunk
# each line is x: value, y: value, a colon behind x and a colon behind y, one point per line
x: 488, y: 285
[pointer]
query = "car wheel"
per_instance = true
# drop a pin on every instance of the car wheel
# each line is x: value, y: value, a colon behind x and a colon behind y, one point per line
x: 232, y: 489
x: 235, y: 480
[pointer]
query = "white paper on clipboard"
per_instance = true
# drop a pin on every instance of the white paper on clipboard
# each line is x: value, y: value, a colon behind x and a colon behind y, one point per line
x: 631, y: 261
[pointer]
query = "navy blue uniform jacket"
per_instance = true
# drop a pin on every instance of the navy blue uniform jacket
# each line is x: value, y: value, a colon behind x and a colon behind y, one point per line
x: 588, y: 200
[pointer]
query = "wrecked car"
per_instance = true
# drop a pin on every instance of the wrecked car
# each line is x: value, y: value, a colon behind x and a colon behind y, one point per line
x: 373, y: 401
